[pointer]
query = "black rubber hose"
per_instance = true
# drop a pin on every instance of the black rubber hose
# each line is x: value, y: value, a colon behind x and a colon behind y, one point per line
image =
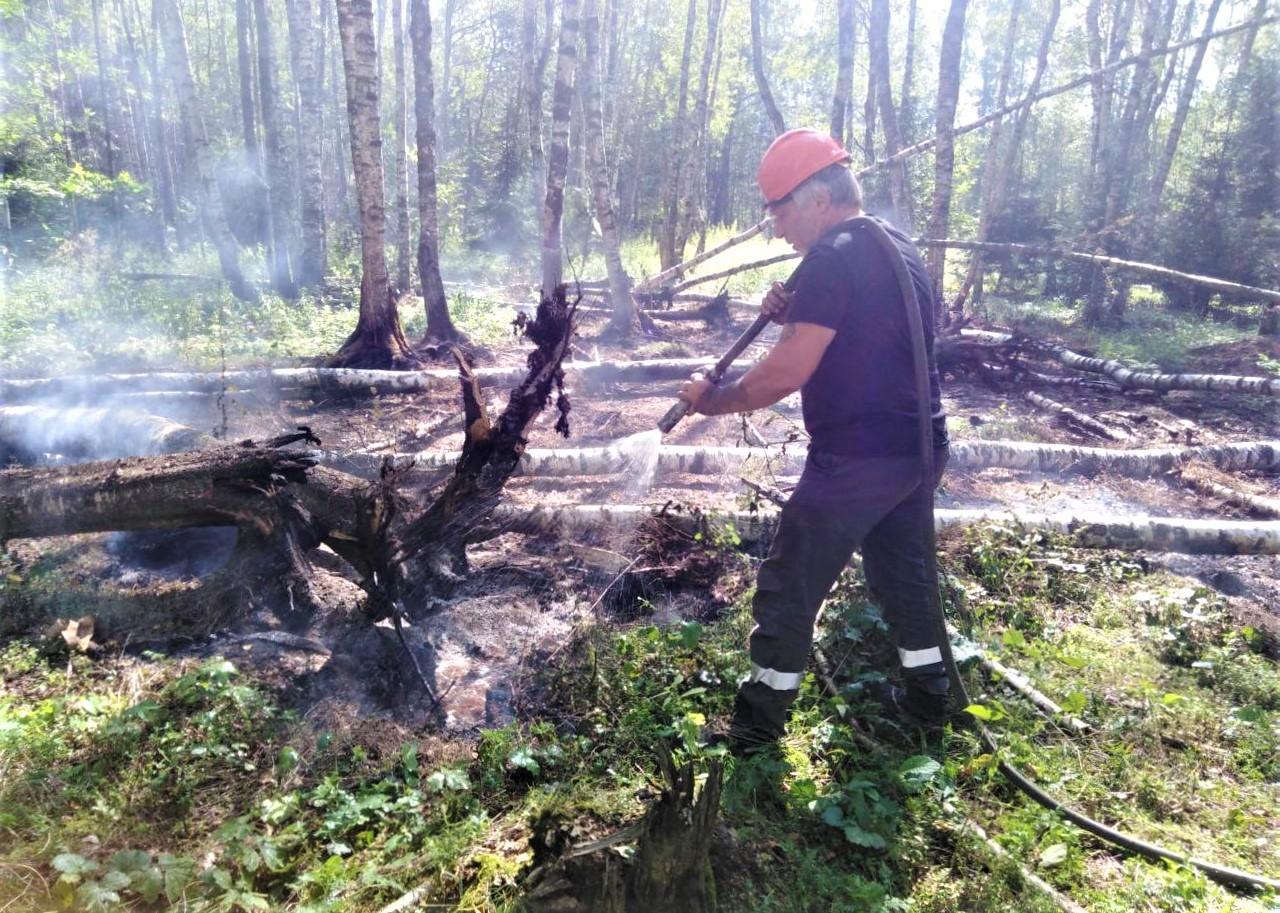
x: 919, y: 351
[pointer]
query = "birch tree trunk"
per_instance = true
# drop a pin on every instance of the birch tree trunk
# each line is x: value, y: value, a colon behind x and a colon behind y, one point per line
x: 174, y: 38
x: 553, y: 206
x: 879, y: 43
x: 673, y: 165
x: 757, y: 67
x: 244, y: 60
x: 907, y: 104
x: 440, y: 327
x: 308, y: 58
x: 693, y: 178
x: 623, y: 319
x: 844, y: 69
x: 399, y: 155
x: 378, y: 340
x: 280, y: 208
x: 944, y: 157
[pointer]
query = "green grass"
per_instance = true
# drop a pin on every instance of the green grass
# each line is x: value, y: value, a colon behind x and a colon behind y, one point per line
x: 1152, y: 336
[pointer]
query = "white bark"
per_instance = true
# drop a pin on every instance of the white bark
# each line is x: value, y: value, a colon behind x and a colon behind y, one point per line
x: 1137, y: 533
x: 1073, y: 418
x: 1138, y: 380
x: 969, y: 455
x: 349, y: 380
x: 101, y: 434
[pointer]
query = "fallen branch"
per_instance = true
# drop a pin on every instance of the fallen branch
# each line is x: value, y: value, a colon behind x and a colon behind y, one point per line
x: 1201, y: 479
x: 1138, y: 533
x: 1073, y: 418
x: 675, y: 272
x: 1222, y: 286
x: 1135, y: 380
x: 1024, y: 456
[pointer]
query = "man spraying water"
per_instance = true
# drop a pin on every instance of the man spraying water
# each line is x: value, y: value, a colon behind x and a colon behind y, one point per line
x: 846, y: 346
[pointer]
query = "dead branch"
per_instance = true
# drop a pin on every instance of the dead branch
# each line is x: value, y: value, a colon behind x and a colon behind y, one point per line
x: 733, y: 271
x: 1222, y: 286
x: 1207, y: 481
x: 1074, y: 419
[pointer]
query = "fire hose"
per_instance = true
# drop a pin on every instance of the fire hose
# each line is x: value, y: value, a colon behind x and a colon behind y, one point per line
x: 1226, y: 875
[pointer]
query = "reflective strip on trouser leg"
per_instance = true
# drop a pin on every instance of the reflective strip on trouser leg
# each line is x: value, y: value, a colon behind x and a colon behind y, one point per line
x: 772, y: 678
x: 914, y: 659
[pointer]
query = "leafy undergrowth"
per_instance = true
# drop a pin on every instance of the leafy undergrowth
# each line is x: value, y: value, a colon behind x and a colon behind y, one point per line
x: 154, y: 783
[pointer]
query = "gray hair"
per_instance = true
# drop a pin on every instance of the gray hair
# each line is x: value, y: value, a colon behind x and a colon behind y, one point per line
x: 840, y: 183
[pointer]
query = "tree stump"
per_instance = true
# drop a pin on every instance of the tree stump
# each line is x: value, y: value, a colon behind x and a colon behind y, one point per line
x: 670, y: 871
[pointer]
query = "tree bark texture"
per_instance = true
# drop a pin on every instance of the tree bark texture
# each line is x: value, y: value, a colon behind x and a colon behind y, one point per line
x: 1020, y: 456
x: 399, y: 155
x: 308, y: 57
x: 280, y: 208
x: 673, y: 165
x: 378, y: 341
x: 842, y: 96
x: 558, y: 164
x: 28, y: 432
x: 440, y: 326
x: 944, y: 157
x: 879, y: 49
x: 757, y: 68
x: 173, y: 36
x: 622, y: 321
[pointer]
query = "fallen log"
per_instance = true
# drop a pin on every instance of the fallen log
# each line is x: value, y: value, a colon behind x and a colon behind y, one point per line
x: 1222, y: 286
x: 1072, y: 418
x: 29, y: 432
x: 349, y: 381
x: 1202, y: 479
x: 1024, y: 456
x: 1127, y: 377
x: 1083, y: 530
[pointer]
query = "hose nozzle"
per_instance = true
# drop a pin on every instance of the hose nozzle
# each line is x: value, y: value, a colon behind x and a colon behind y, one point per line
x: 673, y: 415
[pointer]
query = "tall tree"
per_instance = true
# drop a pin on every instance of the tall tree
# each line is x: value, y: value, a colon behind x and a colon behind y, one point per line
x: 693, y: 180
x: 244, y: 60
x: 280, y: 208
x: 623, y: 318
x: 440, y: 327
x: 879, y: 46
x: 840, y: 99
x: 307, y: 54
x: 558, y: 163
x: 177, y: 62
x: 378, y: 340
x: 399, y: 155
x: 907, y: 105
x: 757, y: 67
x: 673, y: 165
x: 944, y: 156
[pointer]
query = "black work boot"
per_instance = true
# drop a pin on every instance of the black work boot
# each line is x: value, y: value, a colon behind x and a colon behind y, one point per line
x: 926, y: 699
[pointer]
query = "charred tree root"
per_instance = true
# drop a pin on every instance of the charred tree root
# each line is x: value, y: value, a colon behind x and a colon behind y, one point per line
x: 671, y: 869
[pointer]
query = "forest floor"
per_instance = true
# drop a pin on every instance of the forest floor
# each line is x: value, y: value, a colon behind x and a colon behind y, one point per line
x: 259, y: 768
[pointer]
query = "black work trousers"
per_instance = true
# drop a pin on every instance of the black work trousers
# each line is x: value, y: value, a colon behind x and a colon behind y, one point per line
x: 841, y: 504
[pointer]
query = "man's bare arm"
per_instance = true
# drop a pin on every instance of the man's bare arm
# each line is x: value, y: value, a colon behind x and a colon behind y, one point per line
x: 787, y: 367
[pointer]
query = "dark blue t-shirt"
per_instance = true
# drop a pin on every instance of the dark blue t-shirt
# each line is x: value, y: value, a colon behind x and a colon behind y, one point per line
x: 861, y: 400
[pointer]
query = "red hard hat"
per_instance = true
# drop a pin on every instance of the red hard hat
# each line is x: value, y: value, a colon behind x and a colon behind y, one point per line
x: 793, y: 158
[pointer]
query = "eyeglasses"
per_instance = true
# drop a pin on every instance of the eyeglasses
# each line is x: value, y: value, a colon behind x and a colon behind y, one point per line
x: 773, y: 207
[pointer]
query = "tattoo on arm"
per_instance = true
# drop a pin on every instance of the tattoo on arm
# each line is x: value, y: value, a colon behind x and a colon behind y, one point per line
x: 729, y: 398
